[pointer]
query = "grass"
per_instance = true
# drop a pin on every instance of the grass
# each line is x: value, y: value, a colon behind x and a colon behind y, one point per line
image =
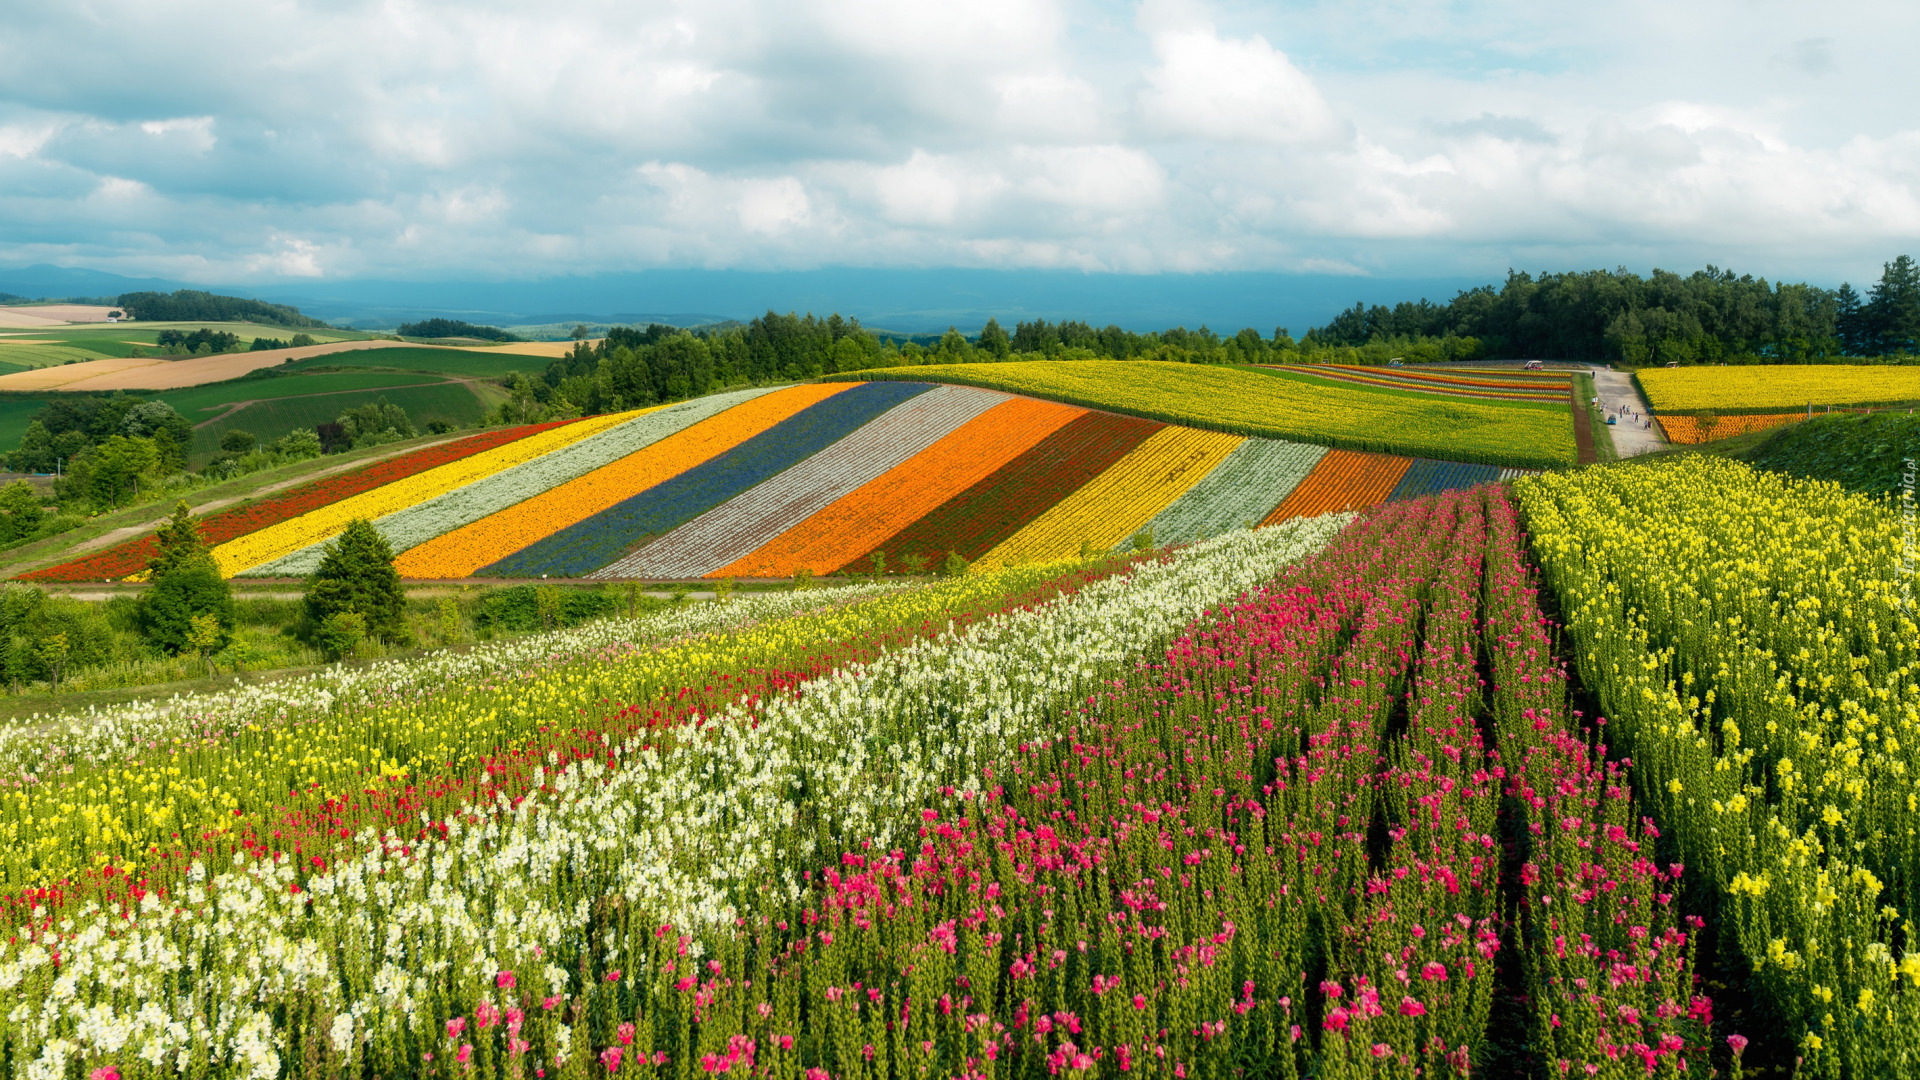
x: 1248, y: 401
x: 269, y: 418
x: 15, y: 414
x: 439, y: 361
x: 95, y: 341
x: 200, y: 403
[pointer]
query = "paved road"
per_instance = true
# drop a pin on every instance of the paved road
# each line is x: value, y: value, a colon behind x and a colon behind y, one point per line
x: 1634, y: 434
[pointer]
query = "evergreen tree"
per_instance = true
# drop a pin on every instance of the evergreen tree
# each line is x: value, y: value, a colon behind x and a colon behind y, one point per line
x: 356, y: 575
x: 186, y: 586
x: 1893, y: 309
x: 994, y: 340
x: 1850, y: 321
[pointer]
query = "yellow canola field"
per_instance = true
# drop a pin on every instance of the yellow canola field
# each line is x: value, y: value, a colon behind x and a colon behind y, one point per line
x: 1778, y: 386
x: 1118, y: 502
x: 287, y: 537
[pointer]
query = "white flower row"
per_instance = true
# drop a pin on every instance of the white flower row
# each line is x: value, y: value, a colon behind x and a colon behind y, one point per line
x: 688, y: 835
x: 743, y: 523
x: 29, y: 747
x: 444, y: 513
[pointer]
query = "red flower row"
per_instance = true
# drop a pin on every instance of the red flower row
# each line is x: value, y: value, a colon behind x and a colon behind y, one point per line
x: 131, y: 556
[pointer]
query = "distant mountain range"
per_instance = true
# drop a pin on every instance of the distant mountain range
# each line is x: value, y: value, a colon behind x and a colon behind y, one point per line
x: 903, y: 300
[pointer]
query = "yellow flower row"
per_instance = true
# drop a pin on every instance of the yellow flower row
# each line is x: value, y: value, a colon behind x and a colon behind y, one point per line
x: 287, y: 537
x: 1120, y: 501
x: 1778, y: 386
x: 1756, y: 650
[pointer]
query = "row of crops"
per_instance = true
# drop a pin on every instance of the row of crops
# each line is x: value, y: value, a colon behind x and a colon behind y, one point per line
x: 823, y: 478
x: 1248, y: 804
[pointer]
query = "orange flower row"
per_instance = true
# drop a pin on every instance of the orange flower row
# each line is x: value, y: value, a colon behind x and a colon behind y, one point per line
x: 464, y: 550
x: 1344, y: 480
x: 1688, y: 431
x: 863, y: 519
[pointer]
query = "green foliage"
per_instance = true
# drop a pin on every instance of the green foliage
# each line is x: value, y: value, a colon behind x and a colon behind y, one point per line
x: 236, y: 441
x: 376, y: 422
x: 453, y: 328
x: 193, y: 305
x: 955, y: 566
x: 114, y: 468
x: 534, y: 607
x: 341, y: 633
x: 186, y: 586
x: 21, y: 511
x: 356, y: 575
x: 199, y: 342
x: 1867, y: 454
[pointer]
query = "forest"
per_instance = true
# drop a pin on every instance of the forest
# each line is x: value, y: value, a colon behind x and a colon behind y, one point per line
x: 1708, y: 317
x: 194, y: 305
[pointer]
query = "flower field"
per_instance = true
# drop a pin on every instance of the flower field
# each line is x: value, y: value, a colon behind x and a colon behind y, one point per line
x: 1280, y: 405
x: 1757, y: 649
x: 1683, y: 430
x: 283, y: 538
x: 1250, y: 805
x: 822, y: 477
x: 596, y: 541
x: 863, y: 520
x: 1238, y: 493
x: 994, y: 508
x: 131, y: 557
x: 741, y: 524
x: 1342, y: 481
x: 1120, y: 500
x: 1772, y: 388
x: 1543, y: 387
x: 464, y: 550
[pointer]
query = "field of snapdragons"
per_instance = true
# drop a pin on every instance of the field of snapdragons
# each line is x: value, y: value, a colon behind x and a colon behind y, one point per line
x: 1308, y: 800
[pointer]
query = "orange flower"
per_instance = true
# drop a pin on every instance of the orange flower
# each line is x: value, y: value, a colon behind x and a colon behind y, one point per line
x: 1344, y: 480
x: 466, y: 549
x: 860, y: 520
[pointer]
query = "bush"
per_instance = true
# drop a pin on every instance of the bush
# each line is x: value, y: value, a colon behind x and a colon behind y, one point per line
x: 356, y: 575
x: 237, y: 441
x: 186, y: 586
x: 517, y: 607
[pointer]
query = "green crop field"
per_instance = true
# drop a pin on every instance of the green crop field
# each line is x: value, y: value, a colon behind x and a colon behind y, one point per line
x: 443, y: 361
x: 201, y: 403
x: 95, y: 341
x: 1250, y: 402
x: 15, y: 414
x: 456, y: 403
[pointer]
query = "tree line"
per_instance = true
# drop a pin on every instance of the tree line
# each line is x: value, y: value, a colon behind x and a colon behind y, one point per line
x: 1710, y: 316
x: 194, y: 305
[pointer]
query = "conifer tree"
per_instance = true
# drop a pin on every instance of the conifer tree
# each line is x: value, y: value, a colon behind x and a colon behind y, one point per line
x: 185, y: 584
x: 356, y: 575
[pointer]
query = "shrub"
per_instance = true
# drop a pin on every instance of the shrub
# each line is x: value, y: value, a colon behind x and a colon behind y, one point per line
x: 356, y: 575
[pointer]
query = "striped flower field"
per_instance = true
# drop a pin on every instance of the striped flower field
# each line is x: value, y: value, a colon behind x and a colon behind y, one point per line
x: 824, y: 478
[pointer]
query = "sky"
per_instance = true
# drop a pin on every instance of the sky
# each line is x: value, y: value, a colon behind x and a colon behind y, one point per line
x: 279, y: 143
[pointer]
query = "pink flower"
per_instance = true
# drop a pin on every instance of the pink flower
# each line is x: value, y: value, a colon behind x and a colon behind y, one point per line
x: 465, y: 1054
x: 625, y: 1034
x: 504, y: 980
x: 1337, y: 1020
x: 1434, y: 971
x: 104, y: 1072
x: 818, y: 1074
x: 1140, y: 1001
x: 455, y: 1026
x: 610, y: 1057
x: 486, y: 1015
x: 1382, y: 1050
x: 1410, y: 1007
x: 1739, y: 1044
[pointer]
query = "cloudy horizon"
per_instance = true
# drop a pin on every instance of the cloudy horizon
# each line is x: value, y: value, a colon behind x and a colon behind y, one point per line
x: 289, y: 142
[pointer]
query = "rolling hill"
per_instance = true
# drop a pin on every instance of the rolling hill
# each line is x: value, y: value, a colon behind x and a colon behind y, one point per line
x: 824, y: 478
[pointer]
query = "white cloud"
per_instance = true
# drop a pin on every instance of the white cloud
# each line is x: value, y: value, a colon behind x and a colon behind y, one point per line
x: 1229, y: 90
x: 430, y: 137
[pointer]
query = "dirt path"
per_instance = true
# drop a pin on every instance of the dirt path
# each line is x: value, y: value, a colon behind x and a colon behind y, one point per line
x: 1635, y: 433
x: 1584, y: 452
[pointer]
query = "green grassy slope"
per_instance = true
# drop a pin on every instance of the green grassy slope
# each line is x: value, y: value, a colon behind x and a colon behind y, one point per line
x: 443, y: 361
x: 1256, y: 403
x: 96, y: 341
x: 453, y: 402
x: 1862, y: 453
x: 200, y: 403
